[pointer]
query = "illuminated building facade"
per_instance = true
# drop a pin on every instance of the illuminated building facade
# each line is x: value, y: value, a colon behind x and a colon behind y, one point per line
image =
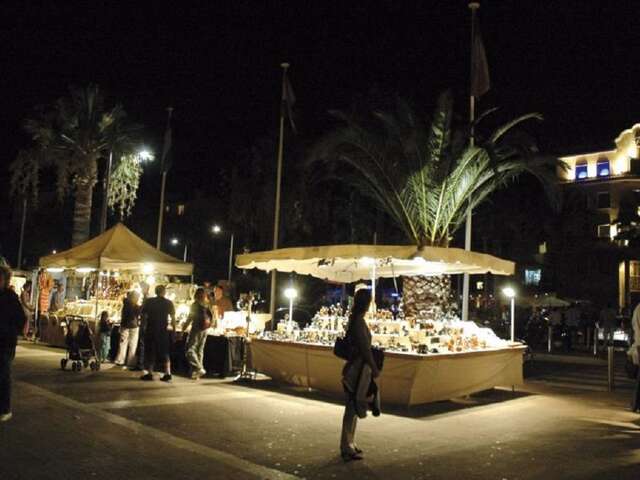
x: 594, y: 252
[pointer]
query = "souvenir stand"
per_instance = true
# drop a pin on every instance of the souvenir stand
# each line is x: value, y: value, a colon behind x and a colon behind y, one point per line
x: 107, y: 266
x: 427, y: 359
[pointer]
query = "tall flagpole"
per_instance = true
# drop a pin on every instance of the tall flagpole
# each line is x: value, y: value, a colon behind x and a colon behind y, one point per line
x: 472, y: 116
x: 163, y: 186
x: 276, y: 221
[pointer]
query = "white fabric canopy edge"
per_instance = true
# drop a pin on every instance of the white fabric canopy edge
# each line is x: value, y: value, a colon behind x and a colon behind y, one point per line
x: 350, y: 263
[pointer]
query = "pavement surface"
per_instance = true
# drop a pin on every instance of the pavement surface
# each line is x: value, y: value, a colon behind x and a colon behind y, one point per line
x: 110, y: 425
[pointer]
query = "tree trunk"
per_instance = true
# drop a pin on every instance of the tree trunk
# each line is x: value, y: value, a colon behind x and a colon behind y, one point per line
x: 82, y: 210
x: 427, y: 297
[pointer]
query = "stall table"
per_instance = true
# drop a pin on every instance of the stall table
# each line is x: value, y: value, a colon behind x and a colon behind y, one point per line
x: 222, y: 355
x: 406, y: 379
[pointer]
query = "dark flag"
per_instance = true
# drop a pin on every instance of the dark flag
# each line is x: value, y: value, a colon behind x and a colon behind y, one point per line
x: 165, y: 163
x: 288, y: 101
x: 480, y: 83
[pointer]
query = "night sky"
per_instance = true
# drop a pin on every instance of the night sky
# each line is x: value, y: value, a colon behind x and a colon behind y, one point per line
x: 574, y: 61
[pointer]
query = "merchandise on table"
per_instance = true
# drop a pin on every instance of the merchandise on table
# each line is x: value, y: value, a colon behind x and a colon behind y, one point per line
x: 87, y: 309
x: 423, y: 336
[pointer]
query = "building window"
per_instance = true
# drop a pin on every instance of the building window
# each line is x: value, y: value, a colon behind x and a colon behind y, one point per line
x: 604, y: 200
x: 634, y: 276
x: 604, y: 231
x: 581, y: 171
x: 602, y: 168
x: 532, y: 276
x: 180, y: 210
x: 542, y: 248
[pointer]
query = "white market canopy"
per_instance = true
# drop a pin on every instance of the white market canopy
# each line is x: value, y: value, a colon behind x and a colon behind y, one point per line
x: 547, y: 301
x: 350, y: 263
x: 117, y: 249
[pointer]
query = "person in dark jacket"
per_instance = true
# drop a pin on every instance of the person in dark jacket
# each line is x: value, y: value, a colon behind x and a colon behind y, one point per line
x: 129, y: 330
x: 199, y: 319
x: 12, y: 319
x: 104, y: 330
x: 360, y: 367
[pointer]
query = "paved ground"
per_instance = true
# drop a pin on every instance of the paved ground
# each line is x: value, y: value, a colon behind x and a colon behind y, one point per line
x: 111, y: 425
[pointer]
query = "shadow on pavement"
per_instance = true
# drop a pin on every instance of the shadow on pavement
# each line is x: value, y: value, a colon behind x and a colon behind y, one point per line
x: 480, y: 399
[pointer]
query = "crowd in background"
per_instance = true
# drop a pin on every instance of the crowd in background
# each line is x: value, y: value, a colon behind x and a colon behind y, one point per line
x: 148, y: 329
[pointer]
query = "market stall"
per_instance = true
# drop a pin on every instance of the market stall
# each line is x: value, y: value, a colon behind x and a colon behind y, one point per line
x: 429, y: 357
x: 100, y: 271
x: 407, y: 379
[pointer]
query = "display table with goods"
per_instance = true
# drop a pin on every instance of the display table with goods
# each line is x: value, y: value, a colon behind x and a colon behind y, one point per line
x: 425, y: 362
x: 429, y: 356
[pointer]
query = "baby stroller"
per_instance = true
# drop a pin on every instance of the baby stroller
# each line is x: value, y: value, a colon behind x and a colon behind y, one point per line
x: 80, y: 346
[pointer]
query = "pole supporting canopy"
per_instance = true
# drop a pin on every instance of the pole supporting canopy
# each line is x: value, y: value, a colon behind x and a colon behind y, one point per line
x: 351, y: 263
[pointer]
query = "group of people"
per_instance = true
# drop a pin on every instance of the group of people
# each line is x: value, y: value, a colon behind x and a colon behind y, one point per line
x: 155, y: 317
x: 572, y: 325
x: 148, y: 329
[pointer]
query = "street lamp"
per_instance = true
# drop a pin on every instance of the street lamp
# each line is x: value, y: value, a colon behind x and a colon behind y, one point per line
x: 175, y: 241
x: 510, y: 293
x: 291, y: 293
x: 142, y: 155
x: 145, y: 155
x: 216, y: 230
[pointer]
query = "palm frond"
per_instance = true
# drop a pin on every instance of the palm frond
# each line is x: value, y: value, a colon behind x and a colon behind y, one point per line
x: 502, y: 130
x: 413, y: 173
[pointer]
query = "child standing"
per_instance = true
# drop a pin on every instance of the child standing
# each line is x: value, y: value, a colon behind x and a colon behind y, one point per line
x: 104, y: 328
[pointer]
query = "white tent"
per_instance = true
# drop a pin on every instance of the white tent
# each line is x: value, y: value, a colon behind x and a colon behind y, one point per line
x: 547, y: 301
x: 117, y: 249
x: 350, y: 263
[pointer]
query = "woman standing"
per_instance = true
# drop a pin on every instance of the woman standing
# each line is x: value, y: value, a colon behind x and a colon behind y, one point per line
x: 357, y: 374
x: 25, y: 301
x: 104, y: 329
x: 11, y: 325
x: 129, y: 330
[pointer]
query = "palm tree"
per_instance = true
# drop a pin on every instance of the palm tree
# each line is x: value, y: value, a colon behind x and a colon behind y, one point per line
x: 72, y: 136
x: 427, y: 178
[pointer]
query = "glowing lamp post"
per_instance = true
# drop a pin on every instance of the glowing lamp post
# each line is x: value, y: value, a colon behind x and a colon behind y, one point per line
x: 510, y: 293
x: 216, y: 230
x: 145, y: 155
x: 175, y: 241
x: 291, y: 293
